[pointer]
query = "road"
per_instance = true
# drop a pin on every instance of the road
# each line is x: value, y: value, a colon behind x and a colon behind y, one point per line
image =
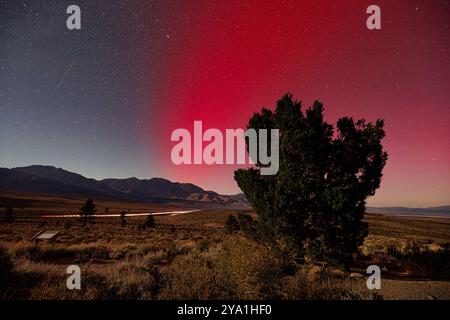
x: 167, y: 213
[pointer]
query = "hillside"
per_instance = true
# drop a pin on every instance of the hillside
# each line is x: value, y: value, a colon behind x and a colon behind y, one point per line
x: 40, y: 179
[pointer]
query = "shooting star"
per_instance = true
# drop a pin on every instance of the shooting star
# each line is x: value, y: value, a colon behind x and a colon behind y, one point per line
x: 67, y: 72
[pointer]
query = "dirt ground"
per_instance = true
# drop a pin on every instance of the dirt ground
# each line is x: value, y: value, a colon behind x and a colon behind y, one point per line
x: 409, y: 250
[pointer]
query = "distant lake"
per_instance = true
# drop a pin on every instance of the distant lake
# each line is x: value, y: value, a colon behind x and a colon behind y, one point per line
x: 437, y: 212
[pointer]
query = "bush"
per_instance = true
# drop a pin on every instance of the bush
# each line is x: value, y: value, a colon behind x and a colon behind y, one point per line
x: 149, y: 222
x: 133, y: 281
x: 412, y: 248
x: 203, y: 244
x: 87, y: 210
x: 9, y: 216
x: 191, y: 277
x: 326, y: 287
x: 239, y: 269
x: 231, y: 224
x: 123, y: 221
x: 247, y: 270
x: 45, y: 252
x: 6, y: 268
x: 414, y: 258
x: 393, y: 251
x: 245, y: 222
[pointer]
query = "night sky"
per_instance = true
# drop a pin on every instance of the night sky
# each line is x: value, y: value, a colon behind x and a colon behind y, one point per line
x: 103, y: 101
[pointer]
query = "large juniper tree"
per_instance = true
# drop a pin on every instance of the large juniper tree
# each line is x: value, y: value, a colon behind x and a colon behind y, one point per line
x: 314, y: 205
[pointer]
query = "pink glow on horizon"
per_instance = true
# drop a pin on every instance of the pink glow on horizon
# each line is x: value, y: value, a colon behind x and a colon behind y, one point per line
x: 230, y: 60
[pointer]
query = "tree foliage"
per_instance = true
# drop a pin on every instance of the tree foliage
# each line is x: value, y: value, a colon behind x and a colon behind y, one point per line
x: 314, y: 205
x: 87, y: 210
x: 123, y: 220
x: 10, y: 215
x: 231, y: 224
x: 149, y: 222
x: 6, y: 268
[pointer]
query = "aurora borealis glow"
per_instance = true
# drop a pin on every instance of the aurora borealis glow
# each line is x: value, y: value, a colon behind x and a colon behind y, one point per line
x: 142, y: 69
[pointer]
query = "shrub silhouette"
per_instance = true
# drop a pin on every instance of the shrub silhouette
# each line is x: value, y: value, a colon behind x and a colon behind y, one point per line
x: 6, y: 268
x: 123, y: 221
x: 10, y: 215
x: 87, y: 210
x: 314, y: 205
x: 231, y: 224
x: 245, y: 222
x: 149, y: 222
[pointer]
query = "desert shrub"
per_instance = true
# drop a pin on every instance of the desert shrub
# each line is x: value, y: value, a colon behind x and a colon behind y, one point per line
x: 126, y: 280
x: 39, y: 281
x: 191, y: 277
x: 394, y: 251
x: 203, y: 244
x: 325, y: 287
x: 231, y: 224
x: 133, y: 281
x: 91, y: 251
x: 237, y: 269
x: 412, y: 248
x: 67, y: 224
x: 87, y: 210
x: 123, y: 251
x: 247, y: 270
x: 144, y: 249
x: 48, y: 282
x: 149, y: 222
x: 44, y: 252
x: 171, y: 251
x: 21, y: 249
x: 384, y: 260
x: 42, y: 224
x: 155, y: 257
x: 165, y: 254
x: 413, y: 257
x: 9, y: 215
x: 245, y: 222
x: 123, y: 220
x: 426, y: 263
x: 6, y: 268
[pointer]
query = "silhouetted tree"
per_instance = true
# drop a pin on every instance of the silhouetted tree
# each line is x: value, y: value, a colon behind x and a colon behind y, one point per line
x: 231, y: 224
x: 10, y: 215
x: 245, y: 222
x: 87, y: 210
x: 123, y: 221
x: 314, y: 205
x: 6, y: 268
x: 149, y: 222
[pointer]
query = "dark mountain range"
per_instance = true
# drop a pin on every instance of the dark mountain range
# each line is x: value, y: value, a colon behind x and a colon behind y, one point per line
x: 57, y: 181
x: 153, y: 187
x: 63, y: 177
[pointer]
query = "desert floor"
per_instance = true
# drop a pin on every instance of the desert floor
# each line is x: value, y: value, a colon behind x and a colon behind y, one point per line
x: 192, y: 256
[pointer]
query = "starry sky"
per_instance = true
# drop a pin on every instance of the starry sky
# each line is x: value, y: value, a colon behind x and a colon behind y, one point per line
x: 102, y: 101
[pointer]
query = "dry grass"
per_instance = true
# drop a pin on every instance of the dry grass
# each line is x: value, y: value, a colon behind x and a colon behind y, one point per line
x: 192, y: 257
x: 38, y: 204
